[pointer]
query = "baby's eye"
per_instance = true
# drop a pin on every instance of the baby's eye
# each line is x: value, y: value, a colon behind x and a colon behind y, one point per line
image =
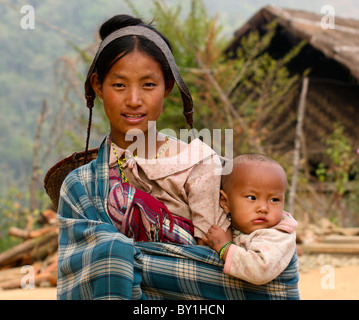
x: 251, y: 198
x: 275, y: 200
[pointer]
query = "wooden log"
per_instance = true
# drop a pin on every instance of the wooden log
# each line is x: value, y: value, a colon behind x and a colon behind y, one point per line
x: 341, y: 239
x: 11, y: 284
x: 19, y: 233
x: 17, y: 260
x: 349, y: 231
x: 44, y: 250
x: 330, y: 248
x: 48, y: 276
x: 15, y: 251
x: 50, y: 216
x: 46, y: 280
x: 42, y: 231
x: 11, y: 279
x: 9, y: 274
x: 25, y: 234
x: 26, y: 247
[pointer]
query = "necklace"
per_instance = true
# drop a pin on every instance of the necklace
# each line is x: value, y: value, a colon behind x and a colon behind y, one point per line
x: 120, y: 162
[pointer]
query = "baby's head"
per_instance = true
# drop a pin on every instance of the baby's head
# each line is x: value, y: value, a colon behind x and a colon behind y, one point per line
x: 253, y: 193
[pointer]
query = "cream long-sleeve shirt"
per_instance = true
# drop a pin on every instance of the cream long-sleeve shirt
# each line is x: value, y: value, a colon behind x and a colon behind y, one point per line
x: 262, y: 255
x: 188, y: 182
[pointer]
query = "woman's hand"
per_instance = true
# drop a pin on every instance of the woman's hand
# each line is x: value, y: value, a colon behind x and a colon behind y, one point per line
x: 216, y: 238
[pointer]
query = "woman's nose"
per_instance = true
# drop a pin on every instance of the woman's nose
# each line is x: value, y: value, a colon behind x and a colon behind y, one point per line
x: 134, y: 98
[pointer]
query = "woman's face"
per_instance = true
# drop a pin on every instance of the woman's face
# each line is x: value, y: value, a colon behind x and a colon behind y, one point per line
x: 133, y: 92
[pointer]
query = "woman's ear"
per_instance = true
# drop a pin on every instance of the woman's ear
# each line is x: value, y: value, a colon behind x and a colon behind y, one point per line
x: 223, y: 201
x: 169, y: 86
x: 96, y: 85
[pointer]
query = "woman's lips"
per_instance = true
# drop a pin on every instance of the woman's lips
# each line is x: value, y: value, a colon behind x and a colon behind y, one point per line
x: 133, y: 118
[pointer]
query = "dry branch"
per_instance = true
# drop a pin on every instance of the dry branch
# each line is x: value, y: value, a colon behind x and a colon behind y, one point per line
x: 229, y: 108
x: 298, y: 140
x: 35, y: 166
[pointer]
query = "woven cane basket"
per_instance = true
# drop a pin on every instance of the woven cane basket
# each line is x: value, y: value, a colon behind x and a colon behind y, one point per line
x: 57, y: 174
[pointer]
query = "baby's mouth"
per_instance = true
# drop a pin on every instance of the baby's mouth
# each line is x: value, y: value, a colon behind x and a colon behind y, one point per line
x: 260, y: 220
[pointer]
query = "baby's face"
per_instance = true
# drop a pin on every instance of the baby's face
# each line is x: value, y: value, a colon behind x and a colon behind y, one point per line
x: 256, y: 197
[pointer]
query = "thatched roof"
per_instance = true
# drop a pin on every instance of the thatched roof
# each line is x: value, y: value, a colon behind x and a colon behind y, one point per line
x: 340, y: 43
x: 332, y: 56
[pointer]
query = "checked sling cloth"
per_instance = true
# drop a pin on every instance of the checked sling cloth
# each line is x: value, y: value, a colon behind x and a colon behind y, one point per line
x: 96, y: 261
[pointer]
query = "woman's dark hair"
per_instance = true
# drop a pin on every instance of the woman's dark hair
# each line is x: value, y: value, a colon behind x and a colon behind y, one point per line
x: 128, y: 44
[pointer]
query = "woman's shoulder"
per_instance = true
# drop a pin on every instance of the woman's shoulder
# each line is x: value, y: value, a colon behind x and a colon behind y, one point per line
x: 195, y: 150
x: 181, y: 157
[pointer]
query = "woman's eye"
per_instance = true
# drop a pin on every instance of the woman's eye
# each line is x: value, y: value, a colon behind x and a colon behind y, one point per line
x: 118, y: 85
x: 251, y: 198
x: 149, y: 85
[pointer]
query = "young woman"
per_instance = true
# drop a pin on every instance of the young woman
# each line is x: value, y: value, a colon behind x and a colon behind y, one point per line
x: 133, y: 72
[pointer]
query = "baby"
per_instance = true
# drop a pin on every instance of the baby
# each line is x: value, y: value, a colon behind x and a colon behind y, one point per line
x: 264, y: 236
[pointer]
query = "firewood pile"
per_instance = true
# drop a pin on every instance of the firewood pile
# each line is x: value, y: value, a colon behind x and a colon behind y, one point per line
x: 323, y: 243
x: 38, y: 250
x: 326, y: 237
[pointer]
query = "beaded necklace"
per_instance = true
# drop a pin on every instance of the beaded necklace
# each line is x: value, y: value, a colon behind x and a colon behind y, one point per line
x: 120, y: 162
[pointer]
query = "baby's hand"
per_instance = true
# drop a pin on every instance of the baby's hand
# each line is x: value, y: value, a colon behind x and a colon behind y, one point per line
x: 216, y: 238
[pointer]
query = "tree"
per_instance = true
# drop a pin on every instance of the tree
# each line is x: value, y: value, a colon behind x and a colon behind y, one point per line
x: 243, y: 93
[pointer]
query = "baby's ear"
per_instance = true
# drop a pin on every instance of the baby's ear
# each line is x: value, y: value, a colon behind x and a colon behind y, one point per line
x: 223, y: 201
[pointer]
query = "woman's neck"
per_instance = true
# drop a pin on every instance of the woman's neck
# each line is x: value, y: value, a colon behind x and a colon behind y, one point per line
x: 144, y: 145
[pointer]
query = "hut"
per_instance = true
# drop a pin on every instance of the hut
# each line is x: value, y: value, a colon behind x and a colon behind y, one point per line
x: 332, y: 57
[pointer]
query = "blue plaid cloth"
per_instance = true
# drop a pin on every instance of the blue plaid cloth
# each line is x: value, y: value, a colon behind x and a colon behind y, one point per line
x: 98, y: 262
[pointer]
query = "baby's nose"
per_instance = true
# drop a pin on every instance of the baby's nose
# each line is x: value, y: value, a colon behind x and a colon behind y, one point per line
x: 262, y: 207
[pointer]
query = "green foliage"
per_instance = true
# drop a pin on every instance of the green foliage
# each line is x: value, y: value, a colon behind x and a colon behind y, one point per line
x: 321, y: 172
x: 189, y: 35
x: 13, y: 213
x: 341, y: 160
x: 257, y: 85
x: 340, y: 153
x: 341, y: 172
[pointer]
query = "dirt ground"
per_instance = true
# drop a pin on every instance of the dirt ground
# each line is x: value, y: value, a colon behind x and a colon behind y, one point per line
x: 319, y: 284
x: 330, y: 284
